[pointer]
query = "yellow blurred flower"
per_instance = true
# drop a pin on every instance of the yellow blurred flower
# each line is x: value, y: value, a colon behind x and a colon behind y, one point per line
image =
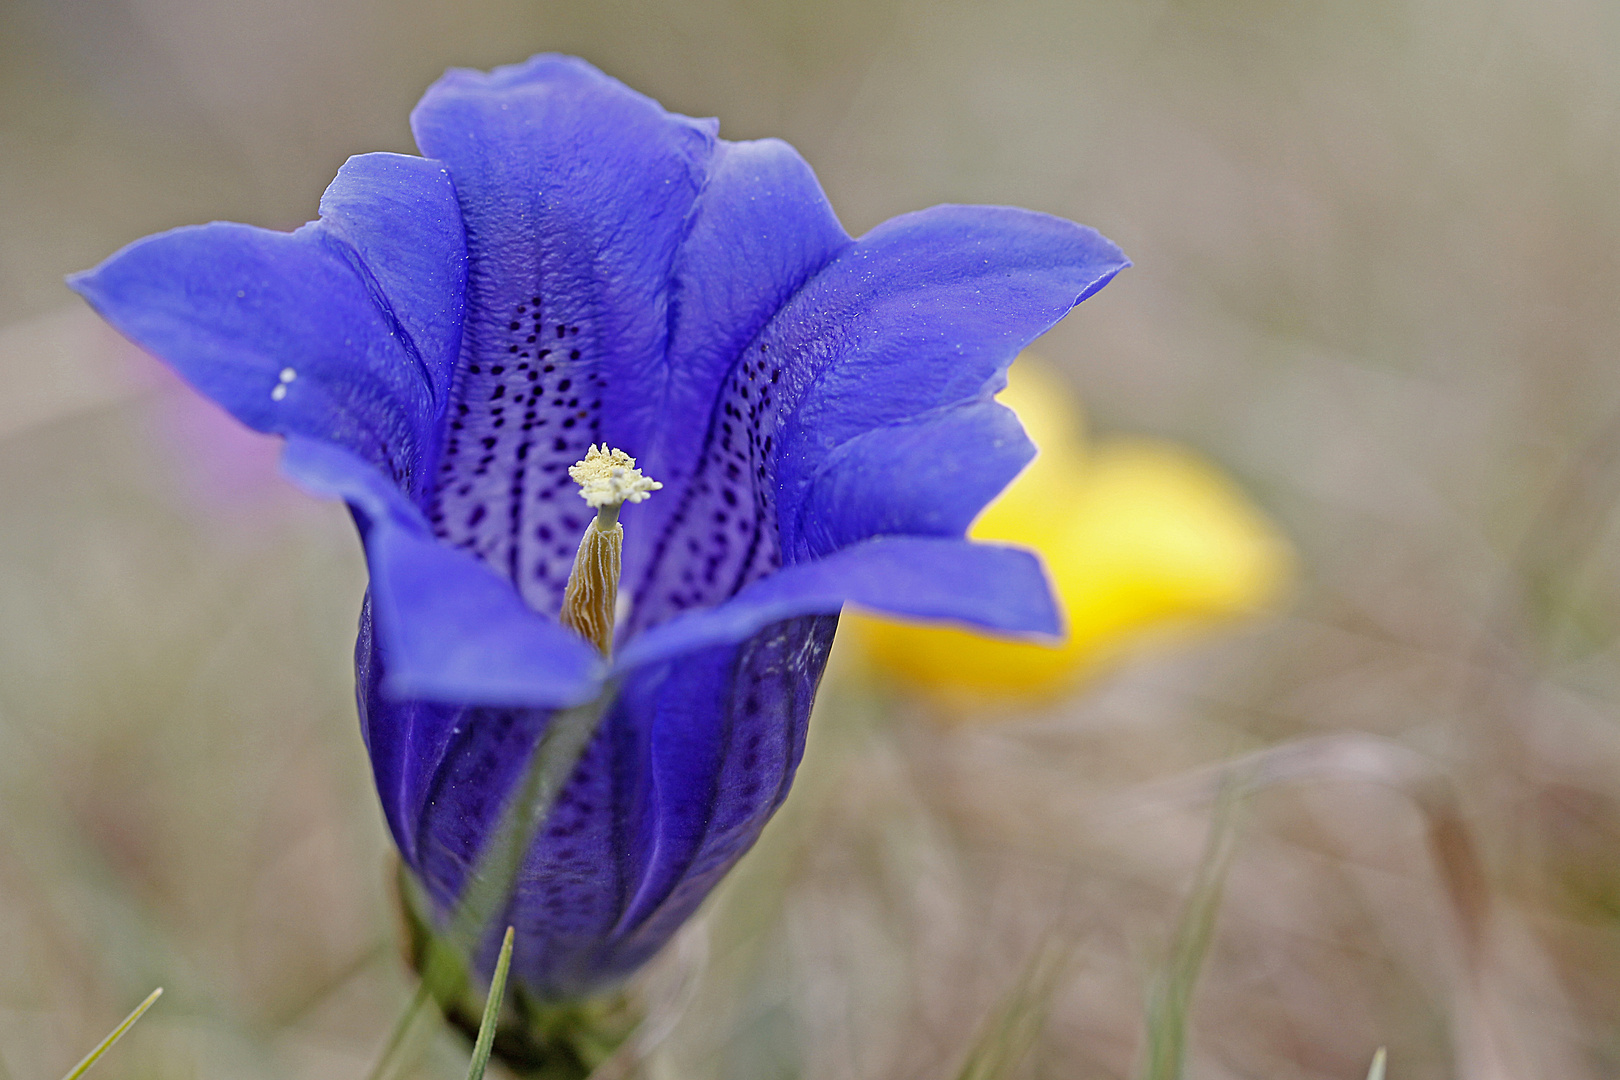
x: 1143, y: 540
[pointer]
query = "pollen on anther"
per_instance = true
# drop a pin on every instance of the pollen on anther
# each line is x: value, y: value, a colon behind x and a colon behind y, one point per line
x: 609, y: 477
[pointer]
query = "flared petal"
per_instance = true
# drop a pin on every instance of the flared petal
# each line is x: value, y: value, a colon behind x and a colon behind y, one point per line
x: 928, y: 310
x: 997, y: 588
x: 452, y: 629
x: 921, y: 315
x: 888, y: 481
x: 760, y: 229
x: 345, y: 331
x: 576, y: 192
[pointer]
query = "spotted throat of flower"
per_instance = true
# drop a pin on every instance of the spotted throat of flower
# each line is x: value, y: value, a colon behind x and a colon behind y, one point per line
x: 607, y: 480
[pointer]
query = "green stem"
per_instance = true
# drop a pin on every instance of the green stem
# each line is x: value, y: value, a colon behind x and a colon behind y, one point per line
x: 562, y: 744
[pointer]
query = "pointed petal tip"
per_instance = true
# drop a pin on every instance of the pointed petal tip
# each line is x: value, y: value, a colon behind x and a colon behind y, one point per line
x: 1096, y: 286
x: 91, y: 284
x: 1103, y: 256
x: 99, y: 286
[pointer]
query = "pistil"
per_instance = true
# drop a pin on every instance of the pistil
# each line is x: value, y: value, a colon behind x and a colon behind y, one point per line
x: 607, y: 480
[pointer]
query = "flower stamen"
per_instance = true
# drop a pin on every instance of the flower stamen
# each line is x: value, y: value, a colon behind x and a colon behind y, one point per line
x: 607, y: 480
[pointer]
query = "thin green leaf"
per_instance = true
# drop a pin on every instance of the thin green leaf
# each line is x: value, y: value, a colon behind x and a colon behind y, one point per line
x: 562, y: 744
x: 1170, y: 1000
x: 1376, y: 1070
x: 492, y: 1011
x: 393, y: 1052
x: 1013, y: 1029
x: 117, y: 1033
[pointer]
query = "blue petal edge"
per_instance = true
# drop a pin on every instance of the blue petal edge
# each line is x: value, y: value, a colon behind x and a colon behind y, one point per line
x: 759, y: 230
x: 344, y: 330
x: 992, y: 587
x: 922, y: 314
x: 452, y: 629
x: 929, y: 476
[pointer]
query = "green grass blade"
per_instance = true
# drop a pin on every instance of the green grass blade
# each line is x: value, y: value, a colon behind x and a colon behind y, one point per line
x: 561, y: 746
x: 1170, y: 1000
x: 492, y: 1011
x: 1014, y: 1028
x: 117, y: 1033
x: 1376, y: 1070
x: 399, y: 1038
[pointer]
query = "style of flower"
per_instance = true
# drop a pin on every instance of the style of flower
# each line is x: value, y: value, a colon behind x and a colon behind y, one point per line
x: 569, y: 265
x: 1144, y: 541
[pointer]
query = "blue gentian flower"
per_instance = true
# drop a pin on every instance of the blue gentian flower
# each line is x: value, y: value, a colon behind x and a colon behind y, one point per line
x: 568, y: 264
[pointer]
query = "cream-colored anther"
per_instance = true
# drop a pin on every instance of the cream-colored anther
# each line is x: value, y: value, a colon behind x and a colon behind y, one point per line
x: 610, y: 478
x: 607, y: 480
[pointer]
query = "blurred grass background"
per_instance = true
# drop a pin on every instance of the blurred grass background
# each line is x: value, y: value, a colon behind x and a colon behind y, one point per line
x: 1376, y: 278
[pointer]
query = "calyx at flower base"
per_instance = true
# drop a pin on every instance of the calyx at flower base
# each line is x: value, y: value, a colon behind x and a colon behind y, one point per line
x: 534, y: 1038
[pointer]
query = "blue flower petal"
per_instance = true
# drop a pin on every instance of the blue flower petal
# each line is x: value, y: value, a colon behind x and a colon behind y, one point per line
x: 568, y: 892
x: 406, y: 740
x: 926, y: 311
x: 718, y: 768
x: 399, y: 217
x: 300, y: 333
x: 997, y: 588
x: 451, y: 628
x: 760, y: 230
x: 689, y: 763
x: 926, y: 477
x: 577, y: 193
